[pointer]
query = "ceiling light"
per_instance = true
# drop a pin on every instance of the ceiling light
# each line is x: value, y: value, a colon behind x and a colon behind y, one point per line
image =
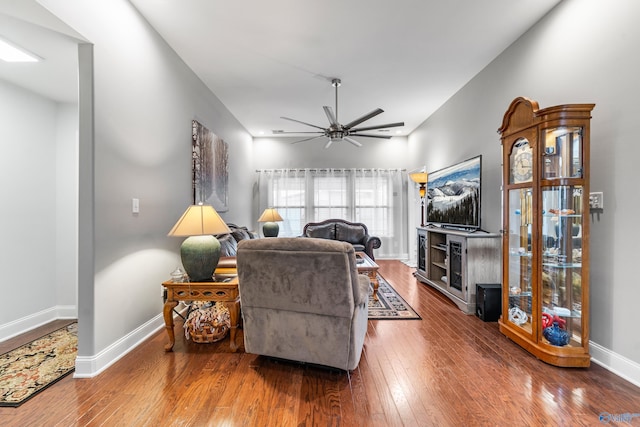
x: 11, y: 53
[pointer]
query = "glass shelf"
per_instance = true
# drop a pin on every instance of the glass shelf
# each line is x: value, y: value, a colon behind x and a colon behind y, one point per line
x: 562, y: 265
x: 574, y: 313
x: 521, y: 294
x: 520, y: 254
x: 552, y: 216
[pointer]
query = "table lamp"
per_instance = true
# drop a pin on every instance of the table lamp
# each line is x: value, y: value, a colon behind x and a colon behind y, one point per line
x: 269, y: 217
x: 421, y: 178
x: 200, y: 252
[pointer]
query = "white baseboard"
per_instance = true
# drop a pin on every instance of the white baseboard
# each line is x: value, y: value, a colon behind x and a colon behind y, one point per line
x: 32, y: 321
x: 90, y: 366
x: 619, y: 365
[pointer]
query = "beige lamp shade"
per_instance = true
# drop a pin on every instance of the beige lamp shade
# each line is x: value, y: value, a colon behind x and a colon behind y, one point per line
x: 199, y: 220
x: 270, y: 215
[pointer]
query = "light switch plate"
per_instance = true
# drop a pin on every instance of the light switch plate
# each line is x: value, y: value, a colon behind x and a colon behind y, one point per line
x: 135, y: 205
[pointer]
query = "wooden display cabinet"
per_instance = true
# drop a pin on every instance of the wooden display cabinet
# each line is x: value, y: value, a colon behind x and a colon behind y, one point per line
x: 545, y: 272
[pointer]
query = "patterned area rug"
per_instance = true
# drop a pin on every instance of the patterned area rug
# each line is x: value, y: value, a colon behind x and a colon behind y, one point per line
x: 33, y: 367
x: 390, y: 305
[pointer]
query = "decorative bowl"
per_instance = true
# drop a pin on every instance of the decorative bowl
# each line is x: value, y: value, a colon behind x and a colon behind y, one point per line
x: 555, y: 335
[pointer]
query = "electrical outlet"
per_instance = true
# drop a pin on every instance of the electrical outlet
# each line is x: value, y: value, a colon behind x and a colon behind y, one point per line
x: 596, y: 200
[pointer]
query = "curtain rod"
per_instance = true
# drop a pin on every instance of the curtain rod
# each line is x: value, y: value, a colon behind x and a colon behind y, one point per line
x: 331, y: 169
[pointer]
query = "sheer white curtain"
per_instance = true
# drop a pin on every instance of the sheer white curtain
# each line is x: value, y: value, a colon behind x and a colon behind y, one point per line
x: 285, y: 190
x: 381, y: 204
x: 330, y: 189
x: 375, y: 197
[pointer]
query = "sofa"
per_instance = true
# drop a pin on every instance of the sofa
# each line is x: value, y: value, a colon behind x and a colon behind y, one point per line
x: 227, y: 267
x: 303, y: 300
x: 229, y: 242
x: 355, y: 233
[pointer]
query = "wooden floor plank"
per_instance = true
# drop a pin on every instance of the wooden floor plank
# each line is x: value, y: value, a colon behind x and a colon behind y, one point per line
x: 448, y: 369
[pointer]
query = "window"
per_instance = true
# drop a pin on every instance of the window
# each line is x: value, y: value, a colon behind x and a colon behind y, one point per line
x: 373, y: 196
x: 330, y: 196
x: 370, y: 196
x: 288, y: 198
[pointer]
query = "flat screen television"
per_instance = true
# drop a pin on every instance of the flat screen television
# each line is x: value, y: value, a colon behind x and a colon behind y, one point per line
x: 453, y: 195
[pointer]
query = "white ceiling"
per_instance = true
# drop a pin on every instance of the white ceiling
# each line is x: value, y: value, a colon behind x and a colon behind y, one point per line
x: 270, y: 59
x: 266, y: 59
x: 28, y: 25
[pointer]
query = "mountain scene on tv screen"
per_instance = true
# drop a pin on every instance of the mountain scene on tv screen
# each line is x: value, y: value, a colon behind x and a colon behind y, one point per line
x: 454, y: 195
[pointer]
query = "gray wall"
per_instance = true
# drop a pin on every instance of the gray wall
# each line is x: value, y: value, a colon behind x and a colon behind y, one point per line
x: 144, y: 98
x: 585, y: 51
x: 37, y: 168
x: 276, y: 153
x: 66, y: 194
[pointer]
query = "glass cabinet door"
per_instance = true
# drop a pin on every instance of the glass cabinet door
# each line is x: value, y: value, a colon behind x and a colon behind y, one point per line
x: 422, y: 250
x: 562, y: 262
x: 520, y: 257
x: 521, y: 162
x: 562, y: 154
x: 455, y: 257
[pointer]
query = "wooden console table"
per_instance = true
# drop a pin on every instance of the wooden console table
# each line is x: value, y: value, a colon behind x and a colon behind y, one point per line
x: 226, y: 292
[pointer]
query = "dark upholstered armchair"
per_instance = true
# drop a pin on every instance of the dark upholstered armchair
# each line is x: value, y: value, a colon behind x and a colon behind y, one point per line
x: 303, y: 300
x: 226, y: 267
x: 355, y: 233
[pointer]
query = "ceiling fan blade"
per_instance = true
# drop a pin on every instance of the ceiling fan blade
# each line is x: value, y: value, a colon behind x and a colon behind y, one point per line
x: 306, y: 139
x: 371, y: 136
x: 329, y: 143
x: 332, y: 118
x: 281, y: 132
x: 298, y: 121
x: 388, y: 125
x: 353, y: 141
x: 364, y: 118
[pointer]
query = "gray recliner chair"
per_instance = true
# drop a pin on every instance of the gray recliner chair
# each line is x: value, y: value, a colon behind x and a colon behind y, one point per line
x: 303, y: 300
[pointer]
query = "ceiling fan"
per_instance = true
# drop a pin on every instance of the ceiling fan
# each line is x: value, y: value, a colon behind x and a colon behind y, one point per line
x: 337, y: 131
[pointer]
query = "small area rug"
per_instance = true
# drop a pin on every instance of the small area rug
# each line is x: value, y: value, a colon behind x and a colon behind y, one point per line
x: 390, y: 304
x: 34, y: 366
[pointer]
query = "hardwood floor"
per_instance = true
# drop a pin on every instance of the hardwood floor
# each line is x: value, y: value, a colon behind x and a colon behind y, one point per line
x: 448, y: 369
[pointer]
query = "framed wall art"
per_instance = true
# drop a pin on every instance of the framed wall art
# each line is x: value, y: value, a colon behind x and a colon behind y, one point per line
x: 210, y: 175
